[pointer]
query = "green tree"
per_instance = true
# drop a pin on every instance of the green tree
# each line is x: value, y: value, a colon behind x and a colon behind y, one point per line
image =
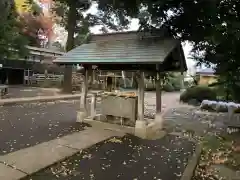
x: 222, y: 48
x: 12, y: 42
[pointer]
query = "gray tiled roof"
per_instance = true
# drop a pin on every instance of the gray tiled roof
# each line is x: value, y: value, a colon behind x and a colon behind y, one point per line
x: 120, y: 51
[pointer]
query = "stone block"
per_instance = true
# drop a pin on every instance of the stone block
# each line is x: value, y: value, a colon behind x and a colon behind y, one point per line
x: 81, y: 116
x: 141, y: 129
x: 125, y: 107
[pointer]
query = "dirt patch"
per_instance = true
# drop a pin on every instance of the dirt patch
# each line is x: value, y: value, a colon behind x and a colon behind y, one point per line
x: 219, y: 151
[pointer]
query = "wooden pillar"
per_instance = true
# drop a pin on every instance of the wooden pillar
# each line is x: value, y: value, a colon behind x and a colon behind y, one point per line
x: 94, y: 75
x: 158, y: 115
x: 83, y: 101
x: 115, y: 83
x: 132, y: 79
x: 81, y: 115
x: 141, y: 97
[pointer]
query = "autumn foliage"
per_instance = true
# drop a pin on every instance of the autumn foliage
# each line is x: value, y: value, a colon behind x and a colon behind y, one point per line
x: 32, y: 24
x: 32, y: 20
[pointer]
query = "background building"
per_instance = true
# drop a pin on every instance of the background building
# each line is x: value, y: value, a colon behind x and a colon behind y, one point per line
x: 206, y: 76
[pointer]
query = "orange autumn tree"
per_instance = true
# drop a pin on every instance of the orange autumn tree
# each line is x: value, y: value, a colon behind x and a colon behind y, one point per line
x: 34, y: 24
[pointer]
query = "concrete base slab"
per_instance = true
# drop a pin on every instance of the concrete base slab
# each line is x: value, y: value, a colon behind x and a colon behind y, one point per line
x: 93, y: 136
x: 81, y: 116
x: 32, y: 159
x: 142, y: 130
x: 8, y: 173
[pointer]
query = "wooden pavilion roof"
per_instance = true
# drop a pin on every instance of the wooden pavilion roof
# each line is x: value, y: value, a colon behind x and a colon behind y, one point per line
x: 128, y: 51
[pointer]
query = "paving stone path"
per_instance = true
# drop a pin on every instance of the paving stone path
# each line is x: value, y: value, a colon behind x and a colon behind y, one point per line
x: 21, y: 92
x: 125, y: 158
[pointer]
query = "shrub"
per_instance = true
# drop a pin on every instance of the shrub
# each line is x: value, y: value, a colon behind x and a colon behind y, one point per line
x: 176, y: 83
x: 198, y: 93
x: 168, y: 88
x: 176, y: 87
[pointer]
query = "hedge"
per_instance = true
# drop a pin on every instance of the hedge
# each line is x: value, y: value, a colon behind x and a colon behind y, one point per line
x: 198, y: 93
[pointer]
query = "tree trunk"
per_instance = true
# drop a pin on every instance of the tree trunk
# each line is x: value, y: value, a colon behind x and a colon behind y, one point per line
x: 67, y: 82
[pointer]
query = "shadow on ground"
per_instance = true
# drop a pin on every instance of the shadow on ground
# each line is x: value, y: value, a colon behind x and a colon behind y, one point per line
x: 126, y: 158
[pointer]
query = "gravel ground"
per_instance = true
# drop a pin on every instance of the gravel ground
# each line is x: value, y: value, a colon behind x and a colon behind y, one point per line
x: 29, y: 124
x: 128, y: 158
x: 198, y: 121
x: 26, y: 125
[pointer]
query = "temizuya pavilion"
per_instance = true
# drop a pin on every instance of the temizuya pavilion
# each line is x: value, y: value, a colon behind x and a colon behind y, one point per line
x: 130, y: 51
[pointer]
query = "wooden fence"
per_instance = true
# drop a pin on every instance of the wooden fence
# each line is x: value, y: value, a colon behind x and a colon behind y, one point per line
x: 39, y: 79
